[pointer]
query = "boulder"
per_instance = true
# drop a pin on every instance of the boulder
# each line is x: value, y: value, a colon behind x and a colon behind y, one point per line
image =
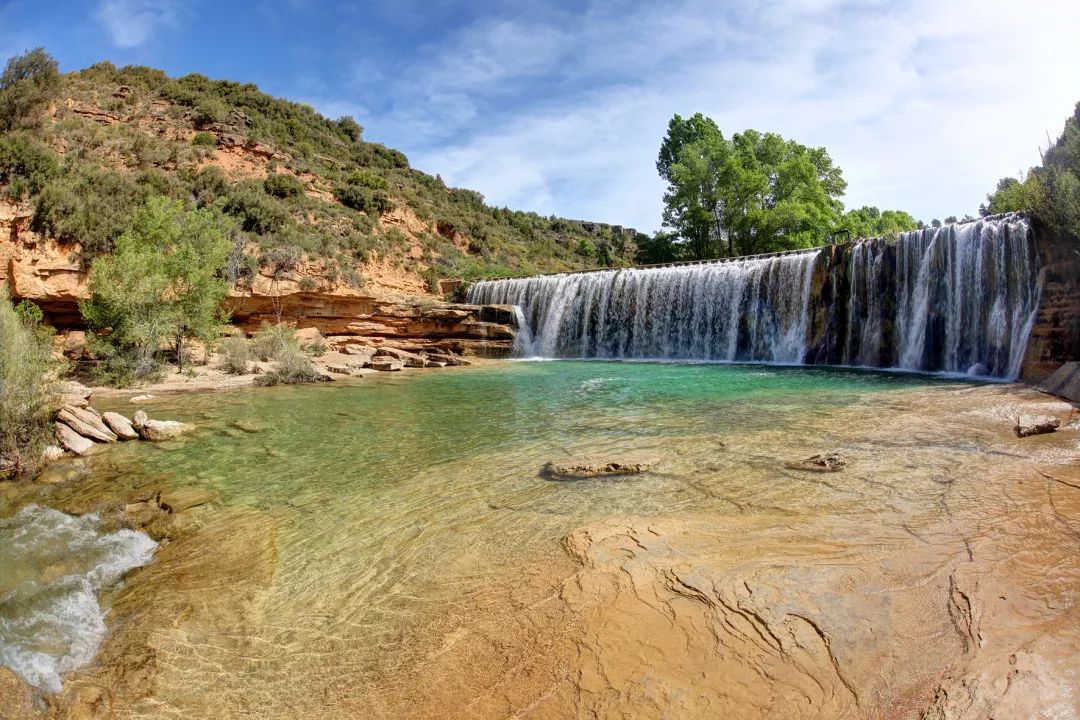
x: 589, y: 467
x: 362, y: 354
x: 448, y: 359
x: 158, y: 430
x: 120, y: 425
x: 74, y: 344
x: 824, y: 462
x: 86, y: 424
x: 71, y: 440
x: 340, y: 369
x: 73, y: 394
x: 140, y: 399
x: 407, y: 358
x: 386, y: 364
x: 309, y: 336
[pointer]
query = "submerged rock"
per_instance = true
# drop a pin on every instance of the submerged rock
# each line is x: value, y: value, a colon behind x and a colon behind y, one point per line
x: 825, y: 462
x: 17, y: 696
x: 1039, y: 427
x: 589, y: 467
x: 158, y: 430
x: 120, y: 425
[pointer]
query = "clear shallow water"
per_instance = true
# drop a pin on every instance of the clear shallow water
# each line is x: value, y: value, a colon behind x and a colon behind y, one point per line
x: 406, y: 512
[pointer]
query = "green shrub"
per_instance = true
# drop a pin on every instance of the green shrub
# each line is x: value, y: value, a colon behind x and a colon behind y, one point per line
x: 161, y: 286
x: 204, y: 139
x: 257, y: 212
x: 88, y: 205
x: 293, y: 367
x: 278, y: 343
x: 364, y: 199
x: 26, y: 163
x: 236, y: 355
x: 30, y: 313
x: 308, y: 284
x: 283, y: 185
x: 26, y: 393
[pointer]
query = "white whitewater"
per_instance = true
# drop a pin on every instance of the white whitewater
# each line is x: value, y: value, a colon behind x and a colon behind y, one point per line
x: 961, y: 298
x: 748, y: 310
x: 52, y: 567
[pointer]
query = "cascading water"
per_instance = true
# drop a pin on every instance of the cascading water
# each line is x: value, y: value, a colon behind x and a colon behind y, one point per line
x: 752, y: 309
x: 957, y: 299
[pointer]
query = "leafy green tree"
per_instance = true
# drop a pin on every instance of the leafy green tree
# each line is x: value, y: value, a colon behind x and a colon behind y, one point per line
x: 869, y: 221
x: 752, y: 193
x: 163, y: 283
x: 29, y: 82
x: 26, y: 391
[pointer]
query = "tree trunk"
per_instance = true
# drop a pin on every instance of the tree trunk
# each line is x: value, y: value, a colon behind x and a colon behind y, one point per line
x: 180, y: 352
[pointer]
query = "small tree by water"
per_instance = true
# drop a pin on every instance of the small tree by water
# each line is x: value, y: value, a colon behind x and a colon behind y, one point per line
x: 161, y: 286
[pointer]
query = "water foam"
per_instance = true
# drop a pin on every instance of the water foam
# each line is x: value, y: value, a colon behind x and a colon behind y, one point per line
x: 54, y: 565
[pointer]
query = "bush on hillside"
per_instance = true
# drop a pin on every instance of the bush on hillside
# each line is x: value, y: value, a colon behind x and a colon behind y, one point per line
x: 88, y: 205
x: 283, y: 185
x: 205, y: 139
x: 256, y: 211
x: 26, y: 164
x: 26, y: 392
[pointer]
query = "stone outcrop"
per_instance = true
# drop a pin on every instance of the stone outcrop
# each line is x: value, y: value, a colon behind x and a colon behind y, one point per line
x: 1055, y: 335
x: 158, y: 430
x: 81, y: 423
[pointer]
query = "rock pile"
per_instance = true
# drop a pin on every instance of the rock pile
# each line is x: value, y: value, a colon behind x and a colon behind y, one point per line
x: 79, y: 427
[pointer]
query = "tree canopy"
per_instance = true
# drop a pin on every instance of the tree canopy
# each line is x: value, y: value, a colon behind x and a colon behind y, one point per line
x: 162, y: 284
x: 754, y: 193
x: 28, y: 83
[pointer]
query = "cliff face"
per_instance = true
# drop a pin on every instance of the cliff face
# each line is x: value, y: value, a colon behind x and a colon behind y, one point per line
x: 1055, y: 337
x: 52, y: 275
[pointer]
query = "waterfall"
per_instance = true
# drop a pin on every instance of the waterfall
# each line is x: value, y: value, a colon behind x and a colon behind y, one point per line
x: 961, y: 298
x: 750, y: 309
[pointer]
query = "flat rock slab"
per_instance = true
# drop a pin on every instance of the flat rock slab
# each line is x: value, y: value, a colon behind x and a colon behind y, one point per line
x: 86, y: 424
x: 120, y: 426
x: 590, y: 467
x: 71, y: 440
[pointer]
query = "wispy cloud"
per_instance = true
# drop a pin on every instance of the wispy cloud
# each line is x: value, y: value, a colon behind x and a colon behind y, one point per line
x: 924, y: 104
x: 132, y: 23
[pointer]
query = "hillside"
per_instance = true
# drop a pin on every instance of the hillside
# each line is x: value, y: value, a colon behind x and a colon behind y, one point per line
x: 318, y: 208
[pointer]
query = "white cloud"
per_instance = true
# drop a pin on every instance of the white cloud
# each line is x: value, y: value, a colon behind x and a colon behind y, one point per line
x: 923, y: 103
x: 132, y: 23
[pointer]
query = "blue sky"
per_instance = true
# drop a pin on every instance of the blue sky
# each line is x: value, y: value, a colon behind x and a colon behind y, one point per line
x: 560, y: 107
